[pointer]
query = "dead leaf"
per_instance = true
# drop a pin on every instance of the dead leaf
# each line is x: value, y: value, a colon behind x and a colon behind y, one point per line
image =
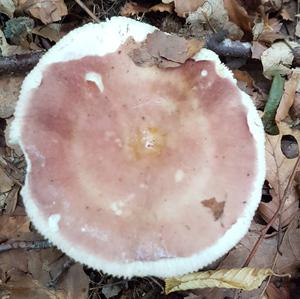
x: 213, y: 14
x: 217, y: 208
x: 13, y: 225
x: 297, y: 32
x: 165, y: 50
x: 290, y: 248
x: 238, y: 15
x: 132, y: 9
x: 48, y: 11
x: 51, y: 32
x: 267, y: 32
x: 7, y: 7
x: 7, y: 50
x: 295, y: 109
x: 245, y: 77
x: 277, y: 58
x: 135, y: 9
x: 279, y: 169
x: 286, y: 16
x: 257, y: 49
x: 9, y: 92
x: 244, y: 278
x: 183, y: 8
x: 162, y: 7
x: 274, y: 292
x: 288, y: 97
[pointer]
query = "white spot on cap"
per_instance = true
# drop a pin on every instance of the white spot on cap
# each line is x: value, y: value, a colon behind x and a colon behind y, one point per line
x: 143, y: 186
x: 96, y: 78
x: 179, y: 175
x: 204, y: 73
x: 117, y: 207
x: 53, y: 221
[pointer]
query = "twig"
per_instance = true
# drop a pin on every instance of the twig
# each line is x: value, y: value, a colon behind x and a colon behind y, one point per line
x: 87, y: 10
x: 65, y: 268
x: 43, y: 244
x: 231, y: 48
x: 19, y: 63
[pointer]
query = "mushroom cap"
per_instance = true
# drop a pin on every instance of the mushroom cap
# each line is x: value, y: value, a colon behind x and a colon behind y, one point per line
x: 137, y: 170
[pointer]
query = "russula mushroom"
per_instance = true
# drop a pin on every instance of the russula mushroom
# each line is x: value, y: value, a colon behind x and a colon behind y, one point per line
x: 137, y: 170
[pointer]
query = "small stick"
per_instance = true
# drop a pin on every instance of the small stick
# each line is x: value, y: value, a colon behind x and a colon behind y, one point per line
x: 65, y: 268
x: 19, y: 63
x: 43, y: 244
x: 87, y: 10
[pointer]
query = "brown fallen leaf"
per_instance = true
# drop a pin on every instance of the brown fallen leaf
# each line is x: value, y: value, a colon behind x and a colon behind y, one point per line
x: 165, y: 50
x: 132, y: 9
x: 244, y: 279
x: 288, y: 97
x: 11, y: 226
x: 48, y: 11
x: 135, y: 9
x: 238, y: 15
x: 9, y: 92
x: 257, y: 49
x: 217, y: 208
x: 244, y: 77
x: 295, y: 109
x: 279, y: 169
x: 269, y: 32
x: 213, y: 14
x: 183, y: 8
x: 51, y: 32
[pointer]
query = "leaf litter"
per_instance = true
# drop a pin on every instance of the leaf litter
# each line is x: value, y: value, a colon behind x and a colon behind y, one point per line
x: 272, y: 29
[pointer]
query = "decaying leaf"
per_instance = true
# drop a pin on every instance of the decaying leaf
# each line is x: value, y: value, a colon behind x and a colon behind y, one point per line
x: 257, y: 49
x: 214, y: 14
x: 277, y: 58
x: 217, y: 208
x: 238, y: 14
x: 135, y: 9
x: 6, y: 49
x: 279, y: 169
x: 9, y: 92
x: 183, y: 8
x: 244, y: 279
x: 51, y: 31
x: 273, y: 101
x: 165, y: 50
x: 7, y: 7
x: 48, y: 11
x: 288, y: 97
x: 267, y: 32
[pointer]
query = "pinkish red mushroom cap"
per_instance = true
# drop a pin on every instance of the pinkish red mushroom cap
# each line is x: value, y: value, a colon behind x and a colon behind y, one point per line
x: 137, y: 170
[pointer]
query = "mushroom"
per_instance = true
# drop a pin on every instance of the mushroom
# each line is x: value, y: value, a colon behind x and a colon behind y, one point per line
x: 137, y: 170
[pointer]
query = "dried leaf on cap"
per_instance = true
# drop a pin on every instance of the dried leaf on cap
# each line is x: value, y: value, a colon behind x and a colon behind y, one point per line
x: 48, y: 11
x: 165, y: 50
x: 279, y: 169
x: 244, y: 278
